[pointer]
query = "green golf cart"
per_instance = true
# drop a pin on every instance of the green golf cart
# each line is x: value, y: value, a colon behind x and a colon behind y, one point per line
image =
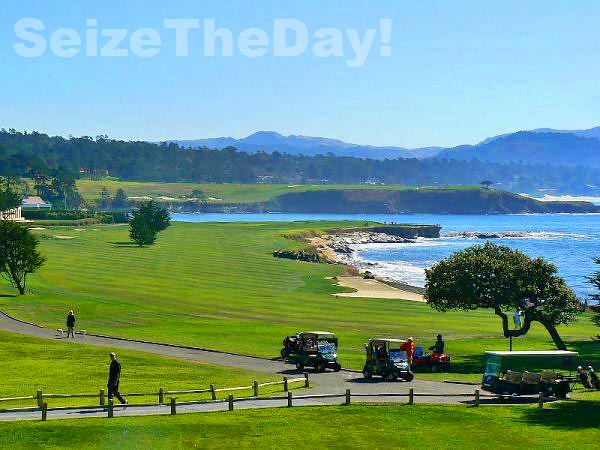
x: 529, y: 372
x: 385, y: 359
x: 316, y: 349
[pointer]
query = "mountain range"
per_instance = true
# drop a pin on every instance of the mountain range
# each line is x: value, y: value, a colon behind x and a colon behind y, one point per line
x: 539, y: 146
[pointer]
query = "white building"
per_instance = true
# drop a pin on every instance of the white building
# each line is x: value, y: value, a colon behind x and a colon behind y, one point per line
x: 12, y: 214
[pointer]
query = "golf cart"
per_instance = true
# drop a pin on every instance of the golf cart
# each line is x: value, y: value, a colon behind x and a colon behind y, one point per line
x: 385, y: 359
x: 529, y: 372
x: 436, y: 362
x: 316, y: 349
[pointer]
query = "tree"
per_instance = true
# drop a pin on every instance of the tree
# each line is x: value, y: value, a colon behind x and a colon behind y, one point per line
x: 18, y: 254
x: 104, y: 201
x: 120, y: 199
x: 595, y: 281
x: 9, y: 197
x: 503, y: 279
x: 487, y: 184
x: 146, y: 222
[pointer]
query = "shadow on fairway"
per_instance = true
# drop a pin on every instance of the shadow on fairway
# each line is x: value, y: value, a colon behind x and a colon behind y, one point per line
x: 589, y: 351
x: 579, y: 414
x: 125, y: 244
x: 8, y: 296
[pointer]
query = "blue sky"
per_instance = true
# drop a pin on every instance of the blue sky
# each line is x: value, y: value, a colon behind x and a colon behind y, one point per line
x: 459, y: 72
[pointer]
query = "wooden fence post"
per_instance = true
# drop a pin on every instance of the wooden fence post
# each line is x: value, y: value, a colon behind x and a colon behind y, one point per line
x: 40, y: 398
x: 348, y: 396
x: 111, y: 405
x: 476, y: 397
x: 306, y: 382
x: 44, y: 411
x: 173, y: 406
x: 255, y: 388
x: 541, y: 400
x: 290, y: 399
x: 212, y: 392
x: 230, y: 401
x: 102, y: 397
x: 285, y: 384
x: 161, y: 396
x: 411, y: 396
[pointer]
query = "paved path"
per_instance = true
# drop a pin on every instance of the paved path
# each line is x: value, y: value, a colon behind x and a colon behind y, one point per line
x: 326, y: 383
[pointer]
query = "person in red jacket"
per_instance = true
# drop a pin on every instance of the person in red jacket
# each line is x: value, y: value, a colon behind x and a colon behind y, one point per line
x: 409, y: 348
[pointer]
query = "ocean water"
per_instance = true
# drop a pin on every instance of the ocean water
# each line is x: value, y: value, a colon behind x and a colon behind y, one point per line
x: 570, y: 241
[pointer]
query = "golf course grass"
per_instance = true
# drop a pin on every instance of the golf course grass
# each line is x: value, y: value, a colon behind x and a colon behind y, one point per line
x: 217, y: 193
x: 67, y: 367
x: 566, y: 425
x: 217, y: 285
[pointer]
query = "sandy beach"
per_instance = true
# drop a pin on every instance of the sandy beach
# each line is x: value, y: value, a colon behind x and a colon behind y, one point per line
x: 366, y: 288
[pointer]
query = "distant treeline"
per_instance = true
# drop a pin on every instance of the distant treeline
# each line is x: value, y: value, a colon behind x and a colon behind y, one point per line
x: 24, y: 153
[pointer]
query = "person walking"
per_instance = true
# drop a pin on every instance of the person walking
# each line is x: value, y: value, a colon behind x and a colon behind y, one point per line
x: 71, y: 325
x: 114, y: 377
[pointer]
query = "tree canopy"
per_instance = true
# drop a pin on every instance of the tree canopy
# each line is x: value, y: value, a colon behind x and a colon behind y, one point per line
x: 595, y: 281
x: 146, y: 222
x: 18, y: 254
x: 36, y: 154
x: 504, y: 280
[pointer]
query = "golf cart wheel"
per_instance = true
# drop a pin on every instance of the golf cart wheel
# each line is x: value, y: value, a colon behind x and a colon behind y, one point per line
x: 392, y: 376
x: 367, y: 374
x: 435, y: 368
x: 320, y: 367
x: 337, y: 368
x: 409, y: 377
x: 283, y: 353
x: 299, y: 366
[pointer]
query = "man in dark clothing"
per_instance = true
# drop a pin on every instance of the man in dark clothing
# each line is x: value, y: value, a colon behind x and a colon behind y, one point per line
x: 114, y: 376
x: 71, y: 325
x: 438, y: 347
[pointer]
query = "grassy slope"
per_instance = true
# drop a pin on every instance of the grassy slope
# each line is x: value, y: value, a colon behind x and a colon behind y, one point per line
x: 217, y: 286
x: 561, y: 426
x: 67, y: 367
x: 228, y: 193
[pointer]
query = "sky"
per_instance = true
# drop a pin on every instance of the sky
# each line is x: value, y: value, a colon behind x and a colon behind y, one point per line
x: 457, y: 72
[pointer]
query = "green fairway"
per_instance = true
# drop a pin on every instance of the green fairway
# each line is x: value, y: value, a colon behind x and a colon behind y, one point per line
x: 217, y: 193
x: 217, y: 286
x: 565, y: 425
x: 67, y: 367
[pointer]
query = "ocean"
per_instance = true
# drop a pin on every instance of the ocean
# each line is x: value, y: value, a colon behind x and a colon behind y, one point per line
x: 570, y: 241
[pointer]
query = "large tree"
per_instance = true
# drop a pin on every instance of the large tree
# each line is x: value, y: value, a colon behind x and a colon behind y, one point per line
x: 504, y: 280
x: 9, y: 193
x: 146, y: 222
x: 18, y: 254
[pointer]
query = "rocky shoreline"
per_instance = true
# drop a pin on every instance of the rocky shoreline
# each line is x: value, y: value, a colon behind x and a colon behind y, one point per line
x: 340, y: 249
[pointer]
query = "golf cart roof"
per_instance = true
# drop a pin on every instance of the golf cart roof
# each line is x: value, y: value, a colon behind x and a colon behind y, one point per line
x: 393, y: 341
x: 534, y: 353
x: 322, y: 334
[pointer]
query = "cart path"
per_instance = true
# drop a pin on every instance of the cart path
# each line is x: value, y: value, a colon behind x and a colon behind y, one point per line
x: 326, y: 383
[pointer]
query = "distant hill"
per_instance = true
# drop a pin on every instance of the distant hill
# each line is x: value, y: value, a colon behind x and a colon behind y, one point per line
x: 593, y: 133
x: 271, y: 141
x: 542, y: 146
x: 532, y: 147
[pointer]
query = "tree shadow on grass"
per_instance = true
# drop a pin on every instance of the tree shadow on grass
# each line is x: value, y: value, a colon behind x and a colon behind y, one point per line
x: 124, y: 244
x: 579, y: 414
x: 8, y: 295
x: 589, y: 351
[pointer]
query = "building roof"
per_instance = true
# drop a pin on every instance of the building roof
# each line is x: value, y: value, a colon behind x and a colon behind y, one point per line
x: 534, y: 353
x: 34, y: 201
